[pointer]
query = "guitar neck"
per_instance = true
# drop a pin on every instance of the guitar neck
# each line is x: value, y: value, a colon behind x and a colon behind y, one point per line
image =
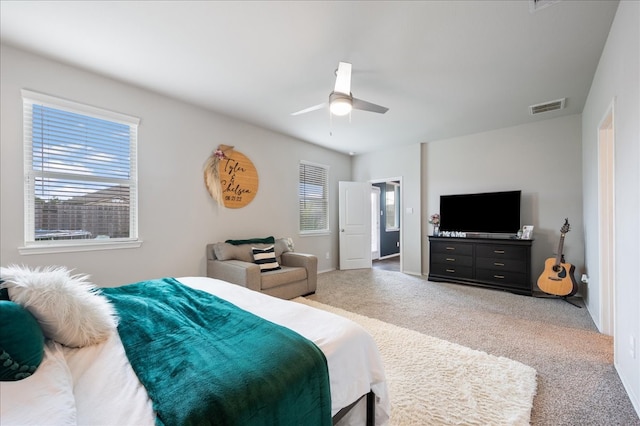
x: 560, y: 248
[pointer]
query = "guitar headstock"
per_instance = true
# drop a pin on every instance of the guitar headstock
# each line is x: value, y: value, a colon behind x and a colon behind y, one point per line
x: 566, y: 227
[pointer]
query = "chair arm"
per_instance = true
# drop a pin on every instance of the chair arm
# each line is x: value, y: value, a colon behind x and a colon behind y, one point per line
x: 238, y: 272
x: 307, y: 261
x: 211, y: 254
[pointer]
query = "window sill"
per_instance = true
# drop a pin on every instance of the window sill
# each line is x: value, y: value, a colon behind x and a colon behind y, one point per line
x: 69, y: 247
x: 314, y: 233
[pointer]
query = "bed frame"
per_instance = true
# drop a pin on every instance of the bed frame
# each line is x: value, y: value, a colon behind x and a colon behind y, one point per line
x: 371, y: 409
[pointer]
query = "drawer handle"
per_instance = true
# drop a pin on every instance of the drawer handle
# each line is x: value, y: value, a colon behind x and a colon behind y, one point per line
x: 500, y: 277
x: 450, y: 248
x: 450, y: 259
x: 498, y: 264
x: 499, y: 251
x: 450, y: 270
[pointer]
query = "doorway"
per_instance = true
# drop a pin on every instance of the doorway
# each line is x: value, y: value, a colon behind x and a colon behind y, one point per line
x: 375, y: 223
x: 386, y: 229
x: 606, y: 217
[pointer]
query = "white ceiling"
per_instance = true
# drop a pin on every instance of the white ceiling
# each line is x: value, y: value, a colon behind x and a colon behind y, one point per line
x: 444, y: 68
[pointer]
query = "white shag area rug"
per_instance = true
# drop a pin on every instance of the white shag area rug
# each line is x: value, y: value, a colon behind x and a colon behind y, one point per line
x: 435, y: 382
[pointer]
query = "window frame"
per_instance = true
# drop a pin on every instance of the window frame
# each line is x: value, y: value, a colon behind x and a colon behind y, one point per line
x: 33, y: 246
x: 327, y: 229
x: 396, y: 207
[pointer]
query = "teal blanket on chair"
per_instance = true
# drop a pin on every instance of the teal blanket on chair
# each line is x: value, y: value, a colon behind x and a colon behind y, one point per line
x: 204, y: 361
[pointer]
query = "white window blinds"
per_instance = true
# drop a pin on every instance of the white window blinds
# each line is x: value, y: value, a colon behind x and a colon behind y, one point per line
x: 80, y: 172
x: 313, y: 198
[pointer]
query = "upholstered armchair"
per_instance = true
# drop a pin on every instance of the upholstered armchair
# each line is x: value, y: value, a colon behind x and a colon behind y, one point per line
x: 261, y: 265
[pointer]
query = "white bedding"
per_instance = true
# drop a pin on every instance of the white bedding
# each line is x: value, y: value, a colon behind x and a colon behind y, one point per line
x: 106, y: 391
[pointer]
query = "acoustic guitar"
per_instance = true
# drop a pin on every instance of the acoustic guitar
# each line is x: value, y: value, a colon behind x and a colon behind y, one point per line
x: 557, y: 277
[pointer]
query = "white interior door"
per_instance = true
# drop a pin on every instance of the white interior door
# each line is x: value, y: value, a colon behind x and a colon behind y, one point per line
x: 355, y: 225
x: 375, y: 222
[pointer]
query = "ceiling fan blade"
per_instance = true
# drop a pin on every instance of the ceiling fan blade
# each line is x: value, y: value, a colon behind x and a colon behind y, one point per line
x: 368, y: 106
x: 343, y: 78
x: 313, y: 108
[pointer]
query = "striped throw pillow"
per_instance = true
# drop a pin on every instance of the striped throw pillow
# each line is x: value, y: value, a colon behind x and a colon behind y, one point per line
x: 265, y: 258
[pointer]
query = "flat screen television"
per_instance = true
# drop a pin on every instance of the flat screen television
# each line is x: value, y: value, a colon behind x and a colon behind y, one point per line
x: 488, y: 212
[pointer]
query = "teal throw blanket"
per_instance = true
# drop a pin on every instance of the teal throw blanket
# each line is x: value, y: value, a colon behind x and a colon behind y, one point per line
x: 204, y: 361
x: 266, y: 240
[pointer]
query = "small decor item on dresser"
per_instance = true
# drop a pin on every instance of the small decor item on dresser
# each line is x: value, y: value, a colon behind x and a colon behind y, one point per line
x: 452, y: 234
x: 527, y: 232
x: 435, y: 221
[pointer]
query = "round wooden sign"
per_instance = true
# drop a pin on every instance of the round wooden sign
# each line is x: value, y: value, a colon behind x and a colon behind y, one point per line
x: 238, y: 180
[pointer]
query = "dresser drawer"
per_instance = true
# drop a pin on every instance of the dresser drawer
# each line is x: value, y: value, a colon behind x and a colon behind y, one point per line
x: 451, y: 247
x: 497, y: 264
x: 452, y: 271
x: 498, y: 251
x: 452, y: 259
x: 503, y: 278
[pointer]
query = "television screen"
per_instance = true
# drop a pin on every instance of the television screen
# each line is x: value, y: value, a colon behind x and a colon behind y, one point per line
x: 489, y: 212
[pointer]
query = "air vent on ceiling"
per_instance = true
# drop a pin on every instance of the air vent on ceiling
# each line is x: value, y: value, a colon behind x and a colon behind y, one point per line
x: 547, y: 106
x: 535, y: 5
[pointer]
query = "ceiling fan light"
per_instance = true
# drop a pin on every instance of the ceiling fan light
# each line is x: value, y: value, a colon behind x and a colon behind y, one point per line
x: 340, y: 106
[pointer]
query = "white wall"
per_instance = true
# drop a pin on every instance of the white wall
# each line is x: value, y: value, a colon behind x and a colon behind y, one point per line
x: 177, y: 217
x: 402, y: 162
x: 617, y: 77
x: 541, y: 159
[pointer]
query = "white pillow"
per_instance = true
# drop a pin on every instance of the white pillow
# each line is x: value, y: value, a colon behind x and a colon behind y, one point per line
x: 44, y: 398
x: 69, y: 309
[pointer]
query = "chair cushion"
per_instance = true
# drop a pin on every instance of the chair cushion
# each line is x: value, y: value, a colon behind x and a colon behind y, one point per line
x: 226, y: 251
x: 285, y: 275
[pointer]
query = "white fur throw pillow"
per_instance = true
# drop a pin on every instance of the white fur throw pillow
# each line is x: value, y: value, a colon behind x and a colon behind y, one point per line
x: 69, y: 309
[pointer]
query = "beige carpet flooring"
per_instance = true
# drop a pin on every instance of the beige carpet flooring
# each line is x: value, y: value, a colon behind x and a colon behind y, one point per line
x: 432, y: 381
x: 577, y: 382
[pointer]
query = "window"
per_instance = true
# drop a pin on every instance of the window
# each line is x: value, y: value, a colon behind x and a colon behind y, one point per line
x: 80, y: 174
x: 392, y: 206
x: 313, y: 197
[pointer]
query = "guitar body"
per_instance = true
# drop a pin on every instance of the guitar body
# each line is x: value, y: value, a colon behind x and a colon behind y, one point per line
x: 558, y: 279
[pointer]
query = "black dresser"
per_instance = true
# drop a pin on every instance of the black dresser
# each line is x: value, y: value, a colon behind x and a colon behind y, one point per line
x: 503, y: 264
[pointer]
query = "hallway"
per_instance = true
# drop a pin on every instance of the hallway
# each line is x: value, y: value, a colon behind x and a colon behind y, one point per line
x: 388, y: 264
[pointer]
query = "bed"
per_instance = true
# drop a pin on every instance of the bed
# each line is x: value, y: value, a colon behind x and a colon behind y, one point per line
x: 96, y: 384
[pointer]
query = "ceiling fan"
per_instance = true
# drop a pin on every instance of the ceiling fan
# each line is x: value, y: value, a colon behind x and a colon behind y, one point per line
x: 341, y: 102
